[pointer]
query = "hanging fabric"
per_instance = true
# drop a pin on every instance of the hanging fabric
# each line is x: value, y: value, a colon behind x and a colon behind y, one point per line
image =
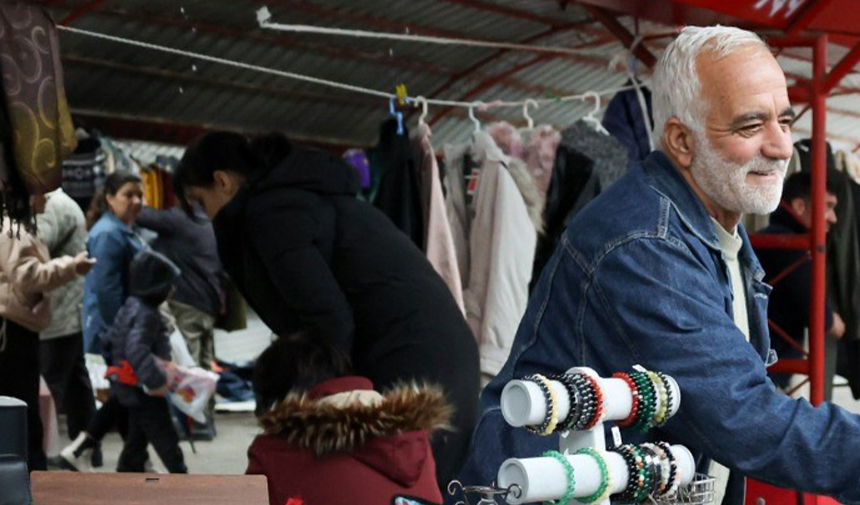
x: 502, y: 244
x: 509, y: 141
x: 83, y: 172
x: 357, y: 158
x: 399, y: 197
x: 625, y: 120
x: 540, y: 150
x: 455, y: 186
x: 608, y: 154
x: 440, y: 243
x: 36, y: 132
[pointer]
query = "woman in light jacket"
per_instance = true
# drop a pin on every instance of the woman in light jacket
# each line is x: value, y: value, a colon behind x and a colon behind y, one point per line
x: 27, y: 275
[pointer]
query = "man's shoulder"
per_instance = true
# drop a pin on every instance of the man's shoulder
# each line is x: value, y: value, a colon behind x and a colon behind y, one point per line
x: 630, y: 210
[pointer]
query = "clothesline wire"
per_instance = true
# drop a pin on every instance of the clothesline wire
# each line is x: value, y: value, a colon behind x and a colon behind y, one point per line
x: 263, y: 17
x: 335, y: 84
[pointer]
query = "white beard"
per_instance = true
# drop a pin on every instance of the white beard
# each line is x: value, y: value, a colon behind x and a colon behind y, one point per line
x: 725, y: 182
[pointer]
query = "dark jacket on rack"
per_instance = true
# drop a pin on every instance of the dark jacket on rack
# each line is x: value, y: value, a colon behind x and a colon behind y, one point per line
x: 357, y: 453
x: 138, y: 334
x: 399, y: 195
x: 624, y: 120
x: 308, y: 255
x: 190, y: 243
x: 788, y: 307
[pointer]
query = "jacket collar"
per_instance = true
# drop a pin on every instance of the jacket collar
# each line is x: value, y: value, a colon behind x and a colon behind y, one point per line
x: 117, y: 223
x: 668, y: 181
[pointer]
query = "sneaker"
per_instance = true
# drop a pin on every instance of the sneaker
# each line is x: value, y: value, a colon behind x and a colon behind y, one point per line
x: 72, y: 455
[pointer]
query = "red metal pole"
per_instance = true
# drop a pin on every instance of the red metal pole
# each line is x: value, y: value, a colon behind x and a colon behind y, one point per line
x: 819, y: 181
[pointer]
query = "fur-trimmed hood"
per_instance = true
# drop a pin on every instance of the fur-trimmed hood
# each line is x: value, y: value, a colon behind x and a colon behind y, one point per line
x: 310, y: 423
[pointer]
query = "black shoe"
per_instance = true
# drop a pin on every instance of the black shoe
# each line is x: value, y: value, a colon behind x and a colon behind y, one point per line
x: 97, y: 458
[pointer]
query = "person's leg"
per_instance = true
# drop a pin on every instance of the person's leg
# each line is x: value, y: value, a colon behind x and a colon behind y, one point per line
x: 80, y: 402
x: 154, y: 419
x: 54, y: 367
x: 133, y: 456
x: 19, y: 378
x: 197, y: 329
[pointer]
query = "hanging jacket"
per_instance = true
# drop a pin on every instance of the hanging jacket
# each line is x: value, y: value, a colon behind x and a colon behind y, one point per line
x: 308, y: 255
x: 27, y: 277
x: 330, y: 452
x: 439, y: 242
x: 84, y: 172
x: 608, y: 154
x: 571, y: 174
x: 63, y: 228
x: 540, y: 151
x: 502, y: 245
x: 459, y: 217
x: 623, y: 118
x: 399, y: 196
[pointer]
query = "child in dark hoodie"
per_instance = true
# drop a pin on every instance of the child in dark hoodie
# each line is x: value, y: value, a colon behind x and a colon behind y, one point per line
x: 139, y: 344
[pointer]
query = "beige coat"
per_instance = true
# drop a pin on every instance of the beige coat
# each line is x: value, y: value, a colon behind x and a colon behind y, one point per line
x: 27, y: 275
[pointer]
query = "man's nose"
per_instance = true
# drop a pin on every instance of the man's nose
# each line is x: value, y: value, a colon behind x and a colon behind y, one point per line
x: 777, y: 143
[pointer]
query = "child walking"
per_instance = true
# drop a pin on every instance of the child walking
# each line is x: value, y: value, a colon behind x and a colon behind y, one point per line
x: 139, y: 344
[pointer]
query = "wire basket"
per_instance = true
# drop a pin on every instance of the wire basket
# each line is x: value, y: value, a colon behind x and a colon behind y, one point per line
x: 698, y: 492
x: 486, y: 494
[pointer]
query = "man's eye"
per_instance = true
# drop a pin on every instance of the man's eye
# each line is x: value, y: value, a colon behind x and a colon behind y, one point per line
x: 751, y: 128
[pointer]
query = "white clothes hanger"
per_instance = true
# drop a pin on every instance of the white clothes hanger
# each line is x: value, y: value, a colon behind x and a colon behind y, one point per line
x: 472, y: 115
x: 590, y: 117
x: 529, y: 121
x: 420, y: 100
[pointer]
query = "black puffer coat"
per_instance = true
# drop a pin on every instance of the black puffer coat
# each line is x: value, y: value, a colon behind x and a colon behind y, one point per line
x: 308, y: 255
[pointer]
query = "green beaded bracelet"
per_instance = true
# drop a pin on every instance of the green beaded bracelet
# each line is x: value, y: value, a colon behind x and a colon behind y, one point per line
x: 648, y: 401
x: 645, y: 476
x: 571, y: 483
x: 605, y: 488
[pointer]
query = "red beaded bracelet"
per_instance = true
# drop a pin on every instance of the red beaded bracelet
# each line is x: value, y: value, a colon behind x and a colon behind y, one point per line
x: 598, y: 402
x: 634, y: 390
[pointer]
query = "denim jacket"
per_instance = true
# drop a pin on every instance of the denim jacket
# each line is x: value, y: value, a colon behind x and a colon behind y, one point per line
x: 113, y: 244
x: 639, y: 278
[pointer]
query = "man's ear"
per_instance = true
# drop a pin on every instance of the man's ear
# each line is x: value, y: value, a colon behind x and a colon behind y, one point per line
x: 223, y: 181
x: 678, y: 142
x: 798, y: 206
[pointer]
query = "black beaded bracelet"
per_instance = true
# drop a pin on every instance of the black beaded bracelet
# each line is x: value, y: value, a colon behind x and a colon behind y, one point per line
x: 547, y: 419
x: 653, y: 467
x: 589, y: 401
x: 674, y: 477
x: 670, y: 398
x: 635, y: 474
x: 575, y: 400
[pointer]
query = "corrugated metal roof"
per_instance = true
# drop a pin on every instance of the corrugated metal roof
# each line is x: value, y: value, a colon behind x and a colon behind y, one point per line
x: 111, y: 79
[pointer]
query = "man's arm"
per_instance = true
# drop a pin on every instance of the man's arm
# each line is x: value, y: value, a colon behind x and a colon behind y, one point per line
x: 663, y: 309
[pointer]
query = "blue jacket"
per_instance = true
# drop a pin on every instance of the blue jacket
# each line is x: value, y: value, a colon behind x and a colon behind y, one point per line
x: 639, y: 278
x: 114, y: 245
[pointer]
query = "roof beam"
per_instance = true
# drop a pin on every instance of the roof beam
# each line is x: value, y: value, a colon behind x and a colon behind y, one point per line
x: 81, y: 11
x: 503, y: 10
x: 806, y: 16
x: 334, y: 51
x: 612, y: 24
x: 843, y: 68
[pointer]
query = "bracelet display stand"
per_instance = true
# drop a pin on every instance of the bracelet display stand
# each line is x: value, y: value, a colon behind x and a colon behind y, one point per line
x: 524, y: 404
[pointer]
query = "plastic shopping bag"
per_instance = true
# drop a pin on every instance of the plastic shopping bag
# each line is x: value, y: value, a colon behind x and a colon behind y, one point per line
x: 191, y: 389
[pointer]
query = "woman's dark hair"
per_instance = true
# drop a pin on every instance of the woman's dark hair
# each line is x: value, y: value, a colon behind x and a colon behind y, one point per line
x: 223, y: 150
x: 113, y: 184
x: 295, y: 363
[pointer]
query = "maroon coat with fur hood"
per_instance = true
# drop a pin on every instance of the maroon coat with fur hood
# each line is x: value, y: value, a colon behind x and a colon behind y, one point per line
x: 357, y: 454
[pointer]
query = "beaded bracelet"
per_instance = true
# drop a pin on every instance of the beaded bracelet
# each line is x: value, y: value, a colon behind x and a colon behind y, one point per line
x: 662, y: 410
x: 605, y: 488
x: 598, y: 401
x: 665, y: 468
x: 670, y: 398
x: 635, y: 472
x: 648, y: 401
x: 544, y: 386
x: 575, y: 410
x: 589, y: 404
x: 674, y: 471
x: 571, y: 482
x: 648, y: 480
x: 654, y: 467
x: 634, y: 391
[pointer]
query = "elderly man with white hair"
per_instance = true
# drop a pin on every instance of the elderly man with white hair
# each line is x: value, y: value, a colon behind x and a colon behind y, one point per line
x: 658, y: 271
